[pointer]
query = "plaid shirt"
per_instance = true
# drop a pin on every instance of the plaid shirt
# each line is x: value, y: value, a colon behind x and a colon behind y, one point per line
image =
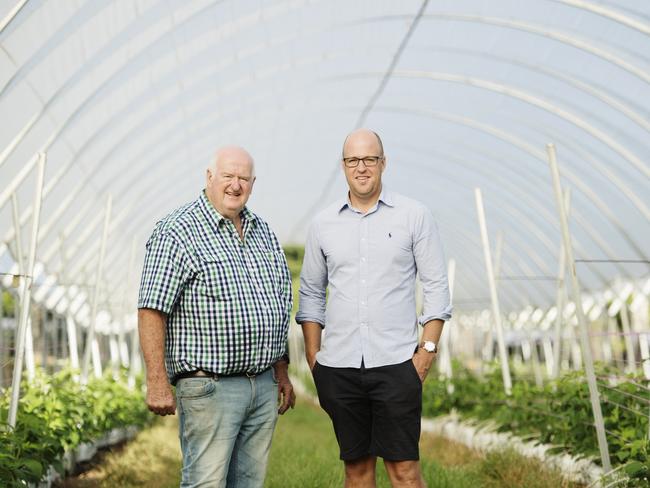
x: 227, y: 300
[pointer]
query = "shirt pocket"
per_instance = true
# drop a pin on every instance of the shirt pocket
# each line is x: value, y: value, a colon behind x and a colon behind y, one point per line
x: 267, y: 264
x: 216, y: 277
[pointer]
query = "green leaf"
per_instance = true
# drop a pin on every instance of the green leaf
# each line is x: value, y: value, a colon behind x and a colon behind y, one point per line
x: 34, y: 467
x: 634, y: 467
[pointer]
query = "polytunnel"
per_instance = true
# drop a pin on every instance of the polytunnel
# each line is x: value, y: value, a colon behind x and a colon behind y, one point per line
x: 113, y: 110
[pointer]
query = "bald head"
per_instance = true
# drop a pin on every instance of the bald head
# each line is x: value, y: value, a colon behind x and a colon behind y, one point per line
x: 363, y: 138
x: 233, y: 153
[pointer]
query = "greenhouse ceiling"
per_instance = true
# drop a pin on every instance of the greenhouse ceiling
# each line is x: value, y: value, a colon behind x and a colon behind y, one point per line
x: 130, y: 99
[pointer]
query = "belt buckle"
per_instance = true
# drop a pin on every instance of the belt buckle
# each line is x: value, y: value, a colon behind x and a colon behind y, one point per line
x: 250, y: 374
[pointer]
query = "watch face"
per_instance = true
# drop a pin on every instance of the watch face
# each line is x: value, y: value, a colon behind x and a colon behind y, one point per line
x: 429, y: 346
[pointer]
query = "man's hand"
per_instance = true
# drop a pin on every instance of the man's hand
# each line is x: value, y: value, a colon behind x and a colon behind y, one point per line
x: 160, y: 398
x: 286, y: 395
x: 422, y: 361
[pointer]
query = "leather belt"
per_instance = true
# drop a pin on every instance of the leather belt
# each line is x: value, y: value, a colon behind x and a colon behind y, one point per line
x: 208, y: 374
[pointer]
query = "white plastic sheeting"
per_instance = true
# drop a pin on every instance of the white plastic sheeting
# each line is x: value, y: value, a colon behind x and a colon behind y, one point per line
x: 131, y: 98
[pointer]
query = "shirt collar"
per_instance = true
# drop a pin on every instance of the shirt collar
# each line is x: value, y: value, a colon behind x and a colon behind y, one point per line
x: 385, y: 197
x: 246, y: 215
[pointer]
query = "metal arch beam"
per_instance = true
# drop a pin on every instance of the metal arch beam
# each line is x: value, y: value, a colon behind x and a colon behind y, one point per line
x: 606, y: 98
x: 518, y: 193
x: 141, y: 196
x: 153, y: 185
x: 169, y: 33
x: 593, y: 160
x: 532, y: 29
x: 157, y: 163
x: 539, y: 102
x: 12, y: 15
x: 625, y: 190
x: 513, y: 140
x: 114, y: 120
x: 609, y: 14
x: 86, y: 67
x: 601, y: 94
x: 582, y: 222
x: 537, y: 154
x: 61, y: 35
x: 626, y: 193
x: 62, y: 171
x: 500, y: 214
x: 191, y: 17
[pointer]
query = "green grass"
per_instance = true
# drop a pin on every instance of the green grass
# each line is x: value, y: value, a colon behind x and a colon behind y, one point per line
x: 305, y: 454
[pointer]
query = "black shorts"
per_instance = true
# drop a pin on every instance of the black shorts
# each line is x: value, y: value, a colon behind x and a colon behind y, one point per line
x: 375, y: 411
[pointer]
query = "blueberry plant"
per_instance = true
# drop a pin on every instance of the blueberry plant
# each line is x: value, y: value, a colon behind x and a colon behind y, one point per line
x: 57, y: 414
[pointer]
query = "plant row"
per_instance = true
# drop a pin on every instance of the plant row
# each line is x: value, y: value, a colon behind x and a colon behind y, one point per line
x: 558, y: 413
x: 56, y: 414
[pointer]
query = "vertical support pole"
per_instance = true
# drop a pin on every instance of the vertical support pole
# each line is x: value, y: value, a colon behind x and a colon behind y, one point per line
x: 498, y: 251
x: 549, y: 360
x: 582, y: 320
x: 3, y: 346
x: 496, y: 312
x: 90, y: 340
x: 608, y: 352
x: 537, y: 370
x: 26, y: 294
x: 115, y: 354
x: 561, y: 293
x: 627, y: 331
x: 96, y: 357
x: 124, y: 350
x: 73, y: 348
x: 446, y: 353
x: 576, y: 353
x: 42, y: 323
x: 20, y: 260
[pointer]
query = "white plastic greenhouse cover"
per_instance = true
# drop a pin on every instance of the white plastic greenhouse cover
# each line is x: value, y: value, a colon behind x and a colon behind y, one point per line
x: 131, y: 98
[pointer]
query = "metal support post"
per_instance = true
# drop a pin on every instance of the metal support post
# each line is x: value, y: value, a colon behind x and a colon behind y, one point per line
x: 496, y: 312
x: 90, y: 340
x: 26, y: 294
x: 582, y: 320
x: 560, y: 297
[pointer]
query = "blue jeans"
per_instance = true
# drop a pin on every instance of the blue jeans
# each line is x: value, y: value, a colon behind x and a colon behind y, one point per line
x: 225, y: 428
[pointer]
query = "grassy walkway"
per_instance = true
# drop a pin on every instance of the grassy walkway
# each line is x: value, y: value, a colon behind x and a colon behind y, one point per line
x: 305, y: 455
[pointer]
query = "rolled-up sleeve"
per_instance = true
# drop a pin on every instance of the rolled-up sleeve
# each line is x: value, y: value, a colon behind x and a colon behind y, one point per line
x: 313, y: 281
x: 164, y: 274
x: 432, y: 269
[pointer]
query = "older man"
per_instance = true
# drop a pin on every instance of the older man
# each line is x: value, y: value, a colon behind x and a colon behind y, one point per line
x: 368, y: 365
x: 214, y: 307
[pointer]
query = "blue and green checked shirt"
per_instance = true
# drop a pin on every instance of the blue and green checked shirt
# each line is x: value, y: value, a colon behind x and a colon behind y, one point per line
x: 227, y: 300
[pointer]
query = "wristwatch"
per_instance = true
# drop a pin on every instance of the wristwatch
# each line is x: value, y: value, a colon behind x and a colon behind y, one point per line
x: 429, y: 346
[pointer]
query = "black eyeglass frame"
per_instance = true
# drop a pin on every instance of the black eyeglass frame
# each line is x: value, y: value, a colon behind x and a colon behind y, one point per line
x: 368, y: 161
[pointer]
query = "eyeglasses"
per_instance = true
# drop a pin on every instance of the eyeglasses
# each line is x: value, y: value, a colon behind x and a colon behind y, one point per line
x: 368, y: 161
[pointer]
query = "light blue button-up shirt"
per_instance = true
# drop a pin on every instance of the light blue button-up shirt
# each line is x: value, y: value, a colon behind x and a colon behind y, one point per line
x: 369, y: 262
